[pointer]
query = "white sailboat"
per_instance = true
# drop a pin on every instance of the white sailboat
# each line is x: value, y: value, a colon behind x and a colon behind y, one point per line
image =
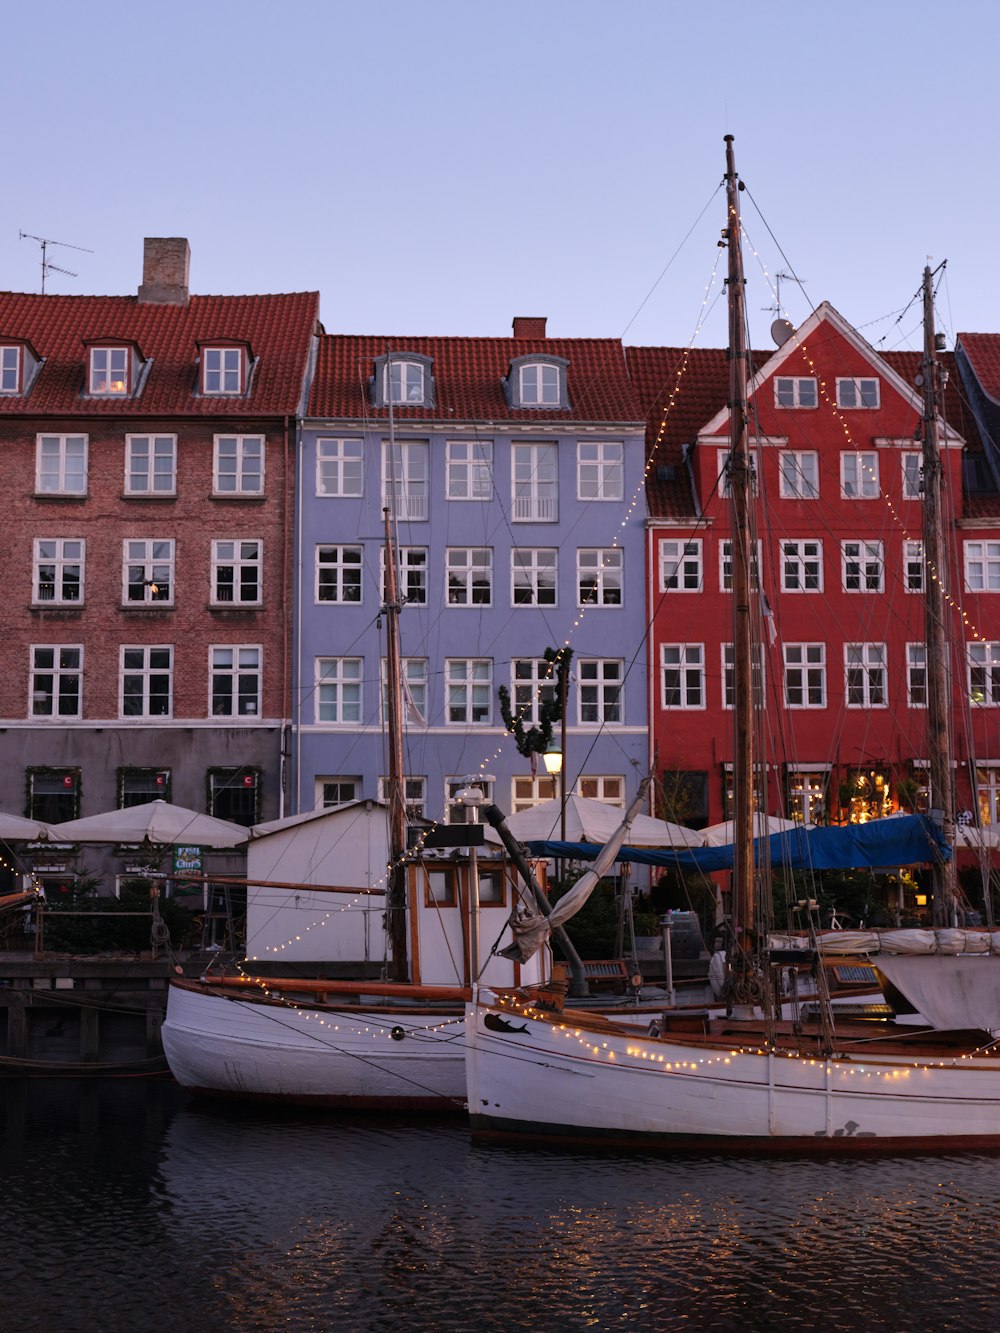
x: 752, y: 1080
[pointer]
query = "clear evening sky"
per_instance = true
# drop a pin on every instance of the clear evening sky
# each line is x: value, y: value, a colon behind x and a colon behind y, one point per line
x: 440, y: 167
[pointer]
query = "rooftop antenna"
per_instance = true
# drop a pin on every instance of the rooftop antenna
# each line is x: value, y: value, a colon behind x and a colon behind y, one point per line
x: 778, y: 279
x: 47, y: 264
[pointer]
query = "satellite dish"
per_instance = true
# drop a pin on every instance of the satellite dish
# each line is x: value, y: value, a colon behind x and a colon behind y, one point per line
x: 781, y: 331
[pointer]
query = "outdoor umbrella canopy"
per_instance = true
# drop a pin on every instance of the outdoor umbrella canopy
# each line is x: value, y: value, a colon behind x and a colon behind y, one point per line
x: 594, y: 821
x: 15, y: 829
x: 721, y: 835
x: 154, y: 822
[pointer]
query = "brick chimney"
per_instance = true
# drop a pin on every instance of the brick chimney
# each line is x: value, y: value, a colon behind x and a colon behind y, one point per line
x: 166, y: 261
x: 529, y: 326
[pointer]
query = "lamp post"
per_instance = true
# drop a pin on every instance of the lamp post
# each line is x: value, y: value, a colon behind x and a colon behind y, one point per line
x: 554, y: 758
x: 471, y: 796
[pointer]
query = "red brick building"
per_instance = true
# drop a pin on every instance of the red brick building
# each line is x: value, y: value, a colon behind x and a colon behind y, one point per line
x: 148, y: 459
x: 840, y: 615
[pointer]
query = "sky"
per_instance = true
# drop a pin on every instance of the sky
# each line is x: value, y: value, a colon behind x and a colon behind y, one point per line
x: 439, y: 168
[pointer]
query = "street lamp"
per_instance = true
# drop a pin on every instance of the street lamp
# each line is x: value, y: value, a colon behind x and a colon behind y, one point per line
x: 471, y: 797
x: 553, y: 758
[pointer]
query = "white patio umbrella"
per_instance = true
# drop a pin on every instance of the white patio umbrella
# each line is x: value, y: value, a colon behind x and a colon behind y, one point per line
x: 721, y: 835
x: 594, y: 821
x: 154, y: 822
x: 15, y: 829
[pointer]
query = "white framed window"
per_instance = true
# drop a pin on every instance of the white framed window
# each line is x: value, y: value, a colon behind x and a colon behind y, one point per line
x: 340, y: 467
x: 147, y: 571
x: 988, y: 793
x: 729, y: 677
x: 723, y: 476
x: 865, y: 675
x: 982, y: 566
x: 795, y: 391
x: 403, y: 381
x: 469, y: 573
x: 534, y: 483
x: 726, y: 565
x: 469, y: 691
x: 801, y: 566
x: 913, y: 566
x: 538, y: 385
x: 61, y: 465
x: 858, y: 392
x: 984, y: 674
x: 680, y: 565
x: 411, y: 574
x: 469, y: 470
x: 10, y: 369
x: 682, y: 675
x: 147, y: 681
x: 338, y: 574
x: 414, y: 795
x: 601, y: 683
x: 405, y: 479
x: 606, y: 787
x: 55, y: 688
x: 236, y: 573
x: 109, y: 371
x: 798, y: 474
x: 916, y: 675
x: 913, y: 475
x: 339, y: 689
x: 805, y: 675
x: 150, y: 464
x: 600, y: 576
x: 459, y: 814
x: 239, y: 465
x: 234, y: 679
x: 534, y: 575
x: 58, y: 569
x: 222, y: 370
x: 413, y: 680
x: 600, y: 470
x: 859, y: 475
x: 862, y: 566
x: 527, y: 792
x: 532, y: 685
x: 331, y: 791
x: 807, y: 794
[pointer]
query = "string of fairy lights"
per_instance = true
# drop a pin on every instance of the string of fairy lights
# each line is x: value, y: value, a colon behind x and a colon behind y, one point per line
x: 844, y: 1065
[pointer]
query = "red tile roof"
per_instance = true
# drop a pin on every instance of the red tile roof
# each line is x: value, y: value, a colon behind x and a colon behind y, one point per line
x: 467, y: 378
x: 983, y: 353
x: 278, y: 328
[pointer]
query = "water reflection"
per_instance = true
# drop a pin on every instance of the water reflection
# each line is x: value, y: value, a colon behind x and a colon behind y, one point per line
x: 144, y: 1208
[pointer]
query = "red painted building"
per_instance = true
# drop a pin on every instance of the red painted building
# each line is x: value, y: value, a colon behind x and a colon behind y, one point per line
x: 840, y: 615
x: 148, y: 461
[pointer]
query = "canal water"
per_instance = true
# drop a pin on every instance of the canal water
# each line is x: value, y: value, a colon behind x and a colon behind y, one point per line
x: 128, y: 1206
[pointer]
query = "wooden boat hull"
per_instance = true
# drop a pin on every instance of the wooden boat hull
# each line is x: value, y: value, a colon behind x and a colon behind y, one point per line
x: 392, y: 1056
x: 574, y: 1080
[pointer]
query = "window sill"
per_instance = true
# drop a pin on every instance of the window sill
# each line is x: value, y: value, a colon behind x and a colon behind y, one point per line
x: 235, y: 610
x: 230, y: 497
x: 57, y: 610
x: 61, y: 497
x: 157, y: 497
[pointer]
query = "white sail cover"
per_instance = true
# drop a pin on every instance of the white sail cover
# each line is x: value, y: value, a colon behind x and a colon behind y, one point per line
x: 950, y: 991
x: 531, y: 931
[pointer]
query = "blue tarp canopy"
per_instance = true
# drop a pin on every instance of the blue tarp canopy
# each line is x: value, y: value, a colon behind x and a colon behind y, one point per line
x: 899, y: 841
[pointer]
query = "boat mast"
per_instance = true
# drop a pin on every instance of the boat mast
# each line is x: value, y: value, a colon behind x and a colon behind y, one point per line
x: 941, y: 773
x: 394, y: 795
x: 740, y: 490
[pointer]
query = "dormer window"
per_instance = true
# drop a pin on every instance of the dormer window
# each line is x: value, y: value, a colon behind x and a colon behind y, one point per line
x: 10, y: 369
x: 404, y: 379
x: 110, y: 371
x: 223, y: 370
x: 539, y: 385
x: 534, y: 382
